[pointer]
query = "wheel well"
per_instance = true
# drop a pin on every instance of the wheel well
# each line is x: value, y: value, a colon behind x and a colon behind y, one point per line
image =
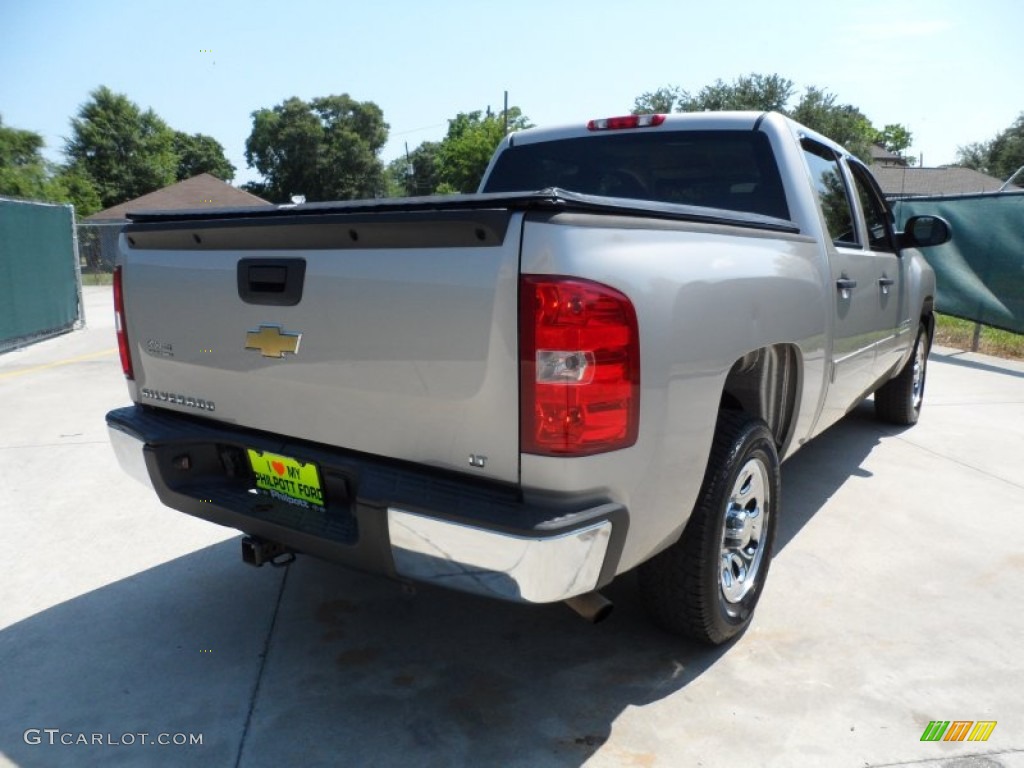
x: 928, y: 316
x: 765, y: 383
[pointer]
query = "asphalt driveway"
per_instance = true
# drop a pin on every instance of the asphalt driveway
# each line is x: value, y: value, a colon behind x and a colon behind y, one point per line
x: 895, y: 599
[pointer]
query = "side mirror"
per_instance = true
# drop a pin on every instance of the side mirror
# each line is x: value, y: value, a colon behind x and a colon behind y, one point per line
x: 925, y: 231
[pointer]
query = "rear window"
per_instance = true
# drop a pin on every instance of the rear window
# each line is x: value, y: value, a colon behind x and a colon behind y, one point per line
x: 733, y: 170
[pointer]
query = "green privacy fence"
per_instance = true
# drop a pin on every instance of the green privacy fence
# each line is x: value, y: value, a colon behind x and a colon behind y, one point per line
x: 980, y: 272
x: 40, y: 285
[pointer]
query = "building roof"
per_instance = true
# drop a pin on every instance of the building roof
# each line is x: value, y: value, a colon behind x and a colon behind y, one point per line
x: 883, y: 157
x: 202, y: 191
x: 949, y: 180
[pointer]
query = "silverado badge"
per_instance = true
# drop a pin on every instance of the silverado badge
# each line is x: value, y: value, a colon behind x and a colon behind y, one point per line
x: 273, y: 341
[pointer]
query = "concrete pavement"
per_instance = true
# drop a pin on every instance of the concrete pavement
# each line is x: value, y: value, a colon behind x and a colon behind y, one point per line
x: 894, y: 599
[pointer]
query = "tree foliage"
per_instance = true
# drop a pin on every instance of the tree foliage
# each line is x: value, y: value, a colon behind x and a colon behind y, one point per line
x: 25, y: 173
x: 670, y: 98
x: 70, y: 185
x: 895, y: 138
x: 753, y: 91
x: 126, y: 151
x: 199, y: 153
x: 466, y: 149
x: 1001, y: 157
x: 816, y: 108
x: 325, y: 149
x: 19, y: 148
x: 843, y: 123
x: 415, y: 174
x: 22, y: 167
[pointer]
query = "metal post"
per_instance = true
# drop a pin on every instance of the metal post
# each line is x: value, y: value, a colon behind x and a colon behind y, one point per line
x: 977, y: 337
x: 78, y: 268
x: 1012, y: 177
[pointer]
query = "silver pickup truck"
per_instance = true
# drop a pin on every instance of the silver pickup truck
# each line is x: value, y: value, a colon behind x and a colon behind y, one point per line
x: 595, y: 364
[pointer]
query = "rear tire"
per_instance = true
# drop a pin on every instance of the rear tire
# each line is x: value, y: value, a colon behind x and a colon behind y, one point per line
x: 705, y: 586
x: 899, y: 400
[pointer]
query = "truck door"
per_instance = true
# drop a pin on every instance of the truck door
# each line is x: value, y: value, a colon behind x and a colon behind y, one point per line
x: 889, y: 283
x: 858, y: 324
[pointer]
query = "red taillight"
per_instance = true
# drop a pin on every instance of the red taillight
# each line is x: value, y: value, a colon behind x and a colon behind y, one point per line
x: 626, y: 121
x: 119, y: 325
x: 579, y: 363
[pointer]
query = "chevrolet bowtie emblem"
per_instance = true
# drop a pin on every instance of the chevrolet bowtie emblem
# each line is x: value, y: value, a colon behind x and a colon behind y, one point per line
x: 273, y: 341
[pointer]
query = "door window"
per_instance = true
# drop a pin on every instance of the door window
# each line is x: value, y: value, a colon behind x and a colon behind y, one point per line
x: 877, y: 215
x: 832, y: 193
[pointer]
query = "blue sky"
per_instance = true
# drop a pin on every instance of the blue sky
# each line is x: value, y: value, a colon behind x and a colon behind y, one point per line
x: 949, y: 70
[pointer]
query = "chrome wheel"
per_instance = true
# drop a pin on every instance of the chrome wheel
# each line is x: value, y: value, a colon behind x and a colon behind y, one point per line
x: 744, y: 535
x: 917, y: 382
x: 707, y: 584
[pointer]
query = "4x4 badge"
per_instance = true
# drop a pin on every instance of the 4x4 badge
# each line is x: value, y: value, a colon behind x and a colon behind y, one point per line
x: 273, y: 341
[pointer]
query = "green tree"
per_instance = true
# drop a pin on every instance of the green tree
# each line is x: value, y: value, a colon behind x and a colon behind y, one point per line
x: 126, y: 151
x: 974, y: 156
x: 22, y: 167
x: 25, y: 173
x: 19, y: 148
x: 843, y: 123
x: 895, y: 138
x: 753, y: 91
x: 1001, y: 157
x: 326, y: 149
x: 415, y: 174
x: 1007, y: 150
x: 69, y: 185
x: 466, y: 149
x: 671, y: 98
x: 817, y: 109
x: 201, y: 154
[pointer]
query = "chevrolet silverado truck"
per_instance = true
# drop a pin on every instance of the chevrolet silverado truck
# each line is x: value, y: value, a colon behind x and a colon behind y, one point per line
x: 594, y: 364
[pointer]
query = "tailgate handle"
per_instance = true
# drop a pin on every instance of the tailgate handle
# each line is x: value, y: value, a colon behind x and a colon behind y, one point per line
x: 271, y: 282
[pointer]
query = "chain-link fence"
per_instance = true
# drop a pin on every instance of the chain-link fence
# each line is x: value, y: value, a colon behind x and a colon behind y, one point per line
x: 97, y: 246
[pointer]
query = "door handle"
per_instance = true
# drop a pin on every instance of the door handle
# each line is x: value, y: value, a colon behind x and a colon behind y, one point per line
x: 271, y: 282
x: 845, y: 286
x: 885, y: 282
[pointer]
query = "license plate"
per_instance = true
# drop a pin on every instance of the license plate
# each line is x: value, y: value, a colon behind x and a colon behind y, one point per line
x: 287, y: 479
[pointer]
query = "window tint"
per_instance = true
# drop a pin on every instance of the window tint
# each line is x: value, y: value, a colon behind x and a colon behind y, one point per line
x: 734, y: 170
x: 832, y: 195
x: 876, y: 212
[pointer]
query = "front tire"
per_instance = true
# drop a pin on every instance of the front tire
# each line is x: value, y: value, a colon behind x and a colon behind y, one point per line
x: 899, y: 400
x: 706, y: 585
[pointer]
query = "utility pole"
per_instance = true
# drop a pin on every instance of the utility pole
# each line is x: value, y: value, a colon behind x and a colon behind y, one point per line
x: 505, y: 113
x: 409, y: 172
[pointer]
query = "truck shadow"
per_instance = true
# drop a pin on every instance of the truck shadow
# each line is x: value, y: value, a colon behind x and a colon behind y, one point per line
x: 954, y: 358
x: 812, y: 476
x: 316, y: 665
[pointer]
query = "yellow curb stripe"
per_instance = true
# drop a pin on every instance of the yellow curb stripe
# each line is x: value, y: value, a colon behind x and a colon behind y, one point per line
x: 68, y: 361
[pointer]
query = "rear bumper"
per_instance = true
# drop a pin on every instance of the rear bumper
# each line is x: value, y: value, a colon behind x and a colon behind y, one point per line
x: 405, y: 521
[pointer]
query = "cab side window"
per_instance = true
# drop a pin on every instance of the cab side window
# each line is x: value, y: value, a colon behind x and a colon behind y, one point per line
x: 876, y: 213
x: 833, y: 195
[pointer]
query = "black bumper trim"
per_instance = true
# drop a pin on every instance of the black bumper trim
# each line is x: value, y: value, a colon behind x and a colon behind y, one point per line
x: 359, y: 488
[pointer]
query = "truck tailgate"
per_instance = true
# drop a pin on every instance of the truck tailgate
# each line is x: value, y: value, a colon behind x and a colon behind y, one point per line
x: 391, y: 334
